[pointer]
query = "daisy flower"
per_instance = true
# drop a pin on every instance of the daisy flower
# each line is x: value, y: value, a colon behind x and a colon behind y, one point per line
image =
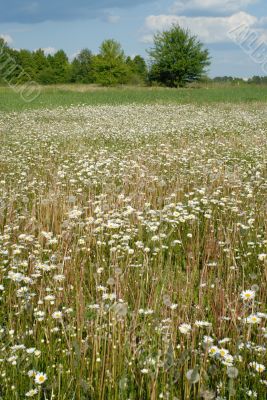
x: 57, y: 315
x: 258, y: 367
x: 252, y: 319
x: 247, y: 295
x: 40, y: 378
x: 185, y: 328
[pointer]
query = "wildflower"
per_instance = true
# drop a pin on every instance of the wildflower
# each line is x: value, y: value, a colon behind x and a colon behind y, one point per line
x: 258, y: 367
x: 57, y: 315
x: 247, y: 295
x: 49, y: 297
x: 214, y: 350
x: 253, y: 319
x: 228, y: 360
x: 39, y: 315
x: 40, y: 378
x: 223, y: 352
x: 251, y: 393
x: 59, y: 278
x: 185, y: 328
x: 201, y: 324
x: 144, y: 371
x: 37, y: 353
x: 75, y: 213
x: 208, y: 340
x: 31, y: 393
x: 30, y: 350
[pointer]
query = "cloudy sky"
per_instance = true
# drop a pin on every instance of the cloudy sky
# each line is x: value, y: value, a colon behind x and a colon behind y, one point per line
x: 73, y: 25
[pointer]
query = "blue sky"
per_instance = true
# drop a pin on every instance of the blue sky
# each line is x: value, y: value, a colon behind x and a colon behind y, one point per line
x: 73, y: 25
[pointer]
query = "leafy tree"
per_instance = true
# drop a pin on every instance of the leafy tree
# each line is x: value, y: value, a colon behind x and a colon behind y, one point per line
x: 110, y: 66
x: 59, y: 63
x: 140, y: 66
x: 109, y: 72
x: 25, y: 60
x: 81, y: 67
x: 138, y: 69
x: 111, y: 50
x: 11, y: 69
x: 258, y: 80
x: 40, y: 63
x: 4, y: 53
x: 177, y: 57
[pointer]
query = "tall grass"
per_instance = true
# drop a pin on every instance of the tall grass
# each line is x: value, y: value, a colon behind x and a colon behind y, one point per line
x: 68, y: 95
x: 133, y: 252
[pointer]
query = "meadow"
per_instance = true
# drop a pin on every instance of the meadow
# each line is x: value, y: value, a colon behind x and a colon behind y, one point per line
x: 69, y: 95
x: 133, y: 246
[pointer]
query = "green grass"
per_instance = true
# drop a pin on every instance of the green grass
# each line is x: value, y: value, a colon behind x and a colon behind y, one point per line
x: 133, y: 256
x: 51, y: 97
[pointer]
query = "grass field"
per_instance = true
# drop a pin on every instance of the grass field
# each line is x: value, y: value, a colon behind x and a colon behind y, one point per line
x: 89, y: 95
x: 133, y: 246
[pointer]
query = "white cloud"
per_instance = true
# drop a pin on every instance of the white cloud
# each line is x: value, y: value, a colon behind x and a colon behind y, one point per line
x: 7, y: 38
x: 208, y: 29
x: 49, y: 50
x: 220, y: 6
x: 113, y: 19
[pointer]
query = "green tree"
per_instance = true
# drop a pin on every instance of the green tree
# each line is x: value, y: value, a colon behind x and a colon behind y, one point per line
x: 60, y: 66
x: 4, y: 54
x: 111, y: 50
x: 110, y: 66
x: 138, y: 69
x: 81, y: 67
x: 40, y: 63
x: 25, y: 60
x: 177, y: 57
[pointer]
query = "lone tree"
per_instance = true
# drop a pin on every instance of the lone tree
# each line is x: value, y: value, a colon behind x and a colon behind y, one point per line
x: 177, y: 57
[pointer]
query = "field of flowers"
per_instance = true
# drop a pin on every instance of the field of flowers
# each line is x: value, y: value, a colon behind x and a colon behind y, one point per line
x: 133, y: 252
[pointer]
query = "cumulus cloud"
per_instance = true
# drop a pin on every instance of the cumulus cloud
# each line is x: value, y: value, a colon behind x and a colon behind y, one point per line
x: 113, y: 19
x: 7, y: 38
x: 32, y: 11
x: 49, y: 50
x: 214, y: 6
x: 208, y: 29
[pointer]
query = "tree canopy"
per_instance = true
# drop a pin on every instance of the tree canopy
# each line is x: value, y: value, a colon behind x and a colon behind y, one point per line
x: 109, y: 67
x: 177, y: 57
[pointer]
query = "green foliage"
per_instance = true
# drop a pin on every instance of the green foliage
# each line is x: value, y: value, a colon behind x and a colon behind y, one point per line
x: 111, y: 50
x: 81, y: 67
x: 108, y: 72
x: 177, y: 57
x: 110, y: 67
x: 60, y: 65
x: 258, y: 80
x: 138, y: 69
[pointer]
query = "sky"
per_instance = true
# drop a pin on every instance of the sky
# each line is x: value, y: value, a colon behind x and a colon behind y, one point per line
x: 74, y: 25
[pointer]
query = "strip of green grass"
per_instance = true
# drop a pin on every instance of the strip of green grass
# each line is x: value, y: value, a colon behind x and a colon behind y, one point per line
x: 51, y: 97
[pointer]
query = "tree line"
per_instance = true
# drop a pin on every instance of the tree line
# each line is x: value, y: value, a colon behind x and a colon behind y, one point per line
x: 255, y: 80
x: 176, y: 59
x: 109, y: 67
